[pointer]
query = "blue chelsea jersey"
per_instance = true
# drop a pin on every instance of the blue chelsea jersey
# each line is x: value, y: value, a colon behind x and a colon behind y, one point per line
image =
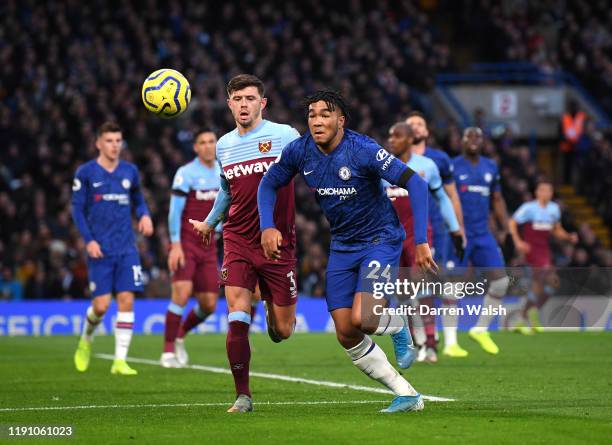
x: 347, y: 185
x: 102, y: 204
x: 475, y: 185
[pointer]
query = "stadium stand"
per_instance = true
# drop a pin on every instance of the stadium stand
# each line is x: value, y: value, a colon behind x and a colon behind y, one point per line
x: 68, y: 66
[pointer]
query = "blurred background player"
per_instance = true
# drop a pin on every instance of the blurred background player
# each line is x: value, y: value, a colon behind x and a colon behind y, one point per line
x: 538, y: 219
x: 344, y: 169
x: 245, y: 154
x: 192, y: 263
x: 441, y: 240
x: 400, y: 142
x: 477, y: 179
x: 104, y: 193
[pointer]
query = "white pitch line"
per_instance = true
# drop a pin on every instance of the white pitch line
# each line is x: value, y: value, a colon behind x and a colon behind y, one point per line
x: 187, y: 405
x: 285, y: 378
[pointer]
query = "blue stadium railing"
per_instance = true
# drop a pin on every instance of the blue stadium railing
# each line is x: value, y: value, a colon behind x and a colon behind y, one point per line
x: 514, y: 72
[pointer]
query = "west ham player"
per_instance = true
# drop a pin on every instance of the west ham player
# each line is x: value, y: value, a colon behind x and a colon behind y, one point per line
x: 400, y: 142
x: 105, y: 191
x: 478, y: 183
x: 539, y: 219
x: 245, y: 154
x: 442, y: 243
x: 344, y: 169
x: 192, y: 263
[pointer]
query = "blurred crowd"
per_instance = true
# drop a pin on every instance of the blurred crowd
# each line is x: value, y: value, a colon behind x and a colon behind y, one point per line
x: 573, y: 35
x: 67, y: 66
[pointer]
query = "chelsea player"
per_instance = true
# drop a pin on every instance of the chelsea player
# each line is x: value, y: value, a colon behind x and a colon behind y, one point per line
x: 478, y: 183
x: 344, y: 169
x: 104, y: 193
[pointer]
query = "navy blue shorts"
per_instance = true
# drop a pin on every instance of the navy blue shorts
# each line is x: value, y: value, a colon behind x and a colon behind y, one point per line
x: 481, y: 251
x: 116, y: 273
x: 351, y: 272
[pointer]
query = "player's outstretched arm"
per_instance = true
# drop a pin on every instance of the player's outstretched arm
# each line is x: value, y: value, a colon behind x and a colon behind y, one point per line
x: 271, y: 238
x: 280, y: 174
x: 519, y: 244
x: 561, y: 234
x: 217, y: 213
x: 448, y: 213
x: 500, y: 211
x: 176, y: 257
x: 79, y: 199
x: 418, y: 191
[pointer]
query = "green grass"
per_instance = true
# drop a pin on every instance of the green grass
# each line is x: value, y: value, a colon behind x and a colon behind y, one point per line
x: 553, y: 387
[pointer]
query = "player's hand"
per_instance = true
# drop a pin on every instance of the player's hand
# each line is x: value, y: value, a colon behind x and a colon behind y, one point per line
x: 522, y: 247
x: 145, y: 225
x: 424, y: 260
x: 176, y: 257
x: 459, y: 244
x: 271, y: 240
x: 203, y: 229
x: 94, y: 250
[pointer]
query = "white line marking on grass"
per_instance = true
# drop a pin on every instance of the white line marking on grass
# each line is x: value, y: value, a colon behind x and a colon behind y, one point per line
x: 284, y: 378
x: 189, y: 405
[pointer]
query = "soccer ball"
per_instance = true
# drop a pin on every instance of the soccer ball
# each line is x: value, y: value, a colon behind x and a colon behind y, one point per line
x: 166, y: 93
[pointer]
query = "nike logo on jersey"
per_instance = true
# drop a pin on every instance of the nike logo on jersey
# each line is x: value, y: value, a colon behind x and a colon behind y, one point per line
x: 97, y: 184
x: 307, y: 173
x: 462, y: 177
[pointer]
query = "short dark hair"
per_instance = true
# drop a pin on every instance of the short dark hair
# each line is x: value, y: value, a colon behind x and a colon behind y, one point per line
x: 108, y: 127
x: 405, y: 127
x: 202, y: 131
x: 333, y: 99
x: 417, y: 113
x: 242, y: 81
x: 543, y: 180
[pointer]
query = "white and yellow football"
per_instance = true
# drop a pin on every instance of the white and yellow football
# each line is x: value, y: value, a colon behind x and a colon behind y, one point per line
x: 166, y: 93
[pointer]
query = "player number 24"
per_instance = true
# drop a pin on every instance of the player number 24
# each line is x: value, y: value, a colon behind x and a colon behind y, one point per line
x: 375, y: 266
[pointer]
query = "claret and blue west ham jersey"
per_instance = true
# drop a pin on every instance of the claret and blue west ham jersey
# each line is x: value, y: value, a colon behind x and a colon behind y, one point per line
x: 426, y: 169
x: 102, y: 204
x: 244, y: 159
x: 347, y: 186
x: 199, y: 184
x: 537, y: 223
x: 475, y: 185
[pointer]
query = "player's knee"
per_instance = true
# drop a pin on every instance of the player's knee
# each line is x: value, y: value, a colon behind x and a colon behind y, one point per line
x: 208, y: 304
x: 356, y: 320
x: 284, y: 330
x: 348, y: 339
x: 498, y: 287
x: 100, y: 306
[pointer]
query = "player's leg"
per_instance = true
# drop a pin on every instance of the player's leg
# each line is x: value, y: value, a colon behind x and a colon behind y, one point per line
x: 487, y: 254
x: 128, y: 280
x: 342, y: 278
x: 370, y: 359
x: 100, y: 272
x: 93, y: 317
x: 278, y: 285
x: 206, y: 288
x: 378, y: 266
x: 237, y: 344
x: 454, y: 270
x: 124, y: 328
x: 240, y: 279
x: 181, y: 291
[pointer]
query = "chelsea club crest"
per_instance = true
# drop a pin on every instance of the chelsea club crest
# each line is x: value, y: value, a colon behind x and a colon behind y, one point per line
x: 344, y: 173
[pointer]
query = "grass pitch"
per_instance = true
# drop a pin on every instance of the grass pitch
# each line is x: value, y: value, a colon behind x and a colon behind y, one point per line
x: 552, y: 387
